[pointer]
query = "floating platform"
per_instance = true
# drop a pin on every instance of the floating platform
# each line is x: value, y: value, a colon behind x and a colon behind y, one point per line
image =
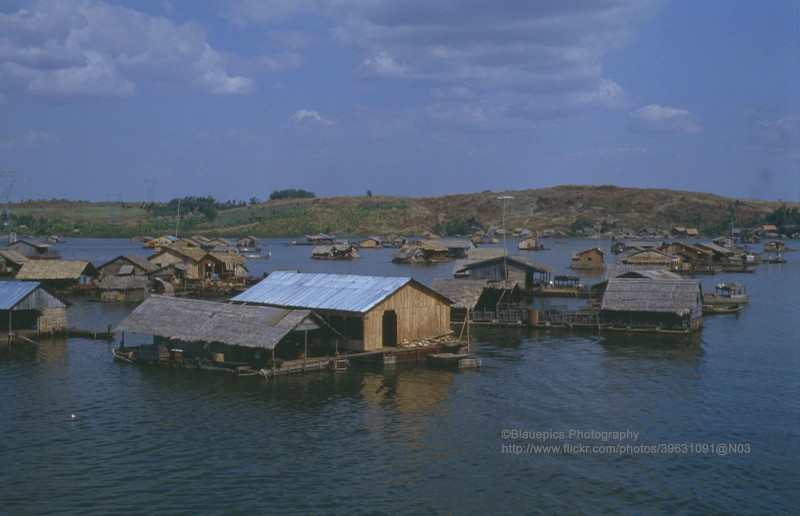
x: 453, y: 361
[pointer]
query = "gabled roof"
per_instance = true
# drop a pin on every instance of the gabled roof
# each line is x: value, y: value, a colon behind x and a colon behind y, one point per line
x: 12, y: 293
x: 194, y: 320
x: 521, y: 261
x: 339, y: 292
x: 137, y: 261
x: 464, y: 292
x: 678, y: 296
x: 54, y: 269
x: 13, y: 256
x: 191, y: 253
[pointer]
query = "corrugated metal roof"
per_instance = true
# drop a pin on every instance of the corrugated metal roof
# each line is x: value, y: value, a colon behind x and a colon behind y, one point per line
x: 12, y: 292
x: 341, y: 292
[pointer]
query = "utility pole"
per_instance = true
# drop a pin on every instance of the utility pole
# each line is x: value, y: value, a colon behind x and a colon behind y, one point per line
x: 6, y: 183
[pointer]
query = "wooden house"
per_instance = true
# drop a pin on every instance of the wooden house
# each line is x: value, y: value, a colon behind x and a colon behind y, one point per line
x: 335, y: 252
x: 372, y: 242
x: 769, y: 230
x: 482, y: 300
x: 29, y: 305
x: 161, y: 242
x: 456, y: 247
x: 422, y: 251
x: 774, y: 246
x: 647, y: 257
x: 11, y: 262
x: 647, y: 304
x: 530, y: 244
x: 236, y: 332
x: 689, y: 253
x: 34, y: 250
x: 371, y: 312
x: 123, y: 288
x: 318, y: 239
x: 228, y: 267
x: 525, y: 272
x: 589, y: 259
x: 127, y: 265
x: 58, y: 274
x: 190, y: 257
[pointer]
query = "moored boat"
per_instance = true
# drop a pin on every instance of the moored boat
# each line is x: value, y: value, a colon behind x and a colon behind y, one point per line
x: 727, y: 294
x: 721, y: 309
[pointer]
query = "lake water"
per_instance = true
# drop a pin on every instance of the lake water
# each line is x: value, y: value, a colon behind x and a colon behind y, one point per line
x: 716, y: 418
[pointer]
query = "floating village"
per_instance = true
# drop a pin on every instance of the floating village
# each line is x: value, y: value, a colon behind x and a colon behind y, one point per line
x: 196, y: 300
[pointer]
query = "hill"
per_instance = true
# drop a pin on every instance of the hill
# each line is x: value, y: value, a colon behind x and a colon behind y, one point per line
x: 564, y: 208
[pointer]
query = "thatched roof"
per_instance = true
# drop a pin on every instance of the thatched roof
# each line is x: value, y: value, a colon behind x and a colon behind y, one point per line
x: 55, y: 270
x: 648, y: 256
x: 137, y: 261
x: 194, y: 320
x: 678, y: 296
x: 522, y: 262
x: 485, y: 253
x: 124, y: 282
x: 464, y: 292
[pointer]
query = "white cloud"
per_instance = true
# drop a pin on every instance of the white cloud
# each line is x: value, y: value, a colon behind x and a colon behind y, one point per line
x: 664, y: 119
x: 382, y: 64
x: 88, y: 48
x: 309, y: 115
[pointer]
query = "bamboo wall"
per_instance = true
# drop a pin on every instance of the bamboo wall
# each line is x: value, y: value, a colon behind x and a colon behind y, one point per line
x: 419, y: 315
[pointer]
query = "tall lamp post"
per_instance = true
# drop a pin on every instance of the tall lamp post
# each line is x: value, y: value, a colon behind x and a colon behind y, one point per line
x: 505, y: 198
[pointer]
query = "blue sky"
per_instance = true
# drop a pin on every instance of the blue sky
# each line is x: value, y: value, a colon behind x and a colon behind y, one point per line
x: 150, y: 100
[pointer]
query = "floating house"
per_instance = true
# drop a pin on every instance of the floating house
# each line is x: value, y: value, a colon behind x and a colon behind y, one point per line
x: 186, y: 329
x: 124, y: 288
x: 530, y: 244
x: 371, y: 312
x: 589, y: 259
x: 481, y: 300
x: 647, y: 257
x: 335, y: 252
x: 201, y: 265
x: 127, y: 265
x: 29, y: 305
x: 647, y: 304
x: 11, y: 262
x: 372, y: 242
x: 422, y: 251
x: 456, y: 247
x: 34, y: 250
x: 774, y: 246
x: 160, y: 242
x: 58, y: 274
x: 527, y: 273
x: 318, y: 239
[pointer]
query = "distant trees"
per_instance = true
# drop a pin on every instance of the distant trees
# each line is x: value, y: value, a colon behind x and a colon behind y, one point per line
x: 461, y: 226
x: 785, y: 219
x: 291, y: 194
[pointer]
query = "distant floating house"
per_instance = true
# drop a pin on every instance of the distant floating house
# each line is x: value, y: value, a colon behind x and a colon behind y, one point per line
x: 160, y: 242
x: 422, y: 251
x: 456, y: 247
x: 127, y: 265
x: 774, y: 246
x: 34, y: 250
x: 335, y: 252
x: 530, y: 244
x: 372, y: 312
x: 652, y: 304
x: 29, y: 305
x: 527, y: 273
x: 318, y: 239
x: 372, y: 242
x: 648, y: 257
x: 589, y: 259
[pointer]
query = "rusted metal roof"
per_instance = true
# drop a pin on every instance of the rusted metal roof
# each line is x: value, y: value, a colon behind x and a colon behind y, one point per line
x: 339, y: 292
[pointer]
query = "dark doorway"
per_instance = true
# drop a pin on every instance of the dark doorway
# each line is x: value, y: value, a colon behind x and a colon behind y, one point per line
x: 390, y: 328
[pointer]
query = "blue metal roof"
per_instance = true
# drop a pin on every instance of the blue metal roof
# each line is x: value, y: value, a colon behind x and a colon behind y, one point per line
x: 12, y: 292
x: 341, y: 292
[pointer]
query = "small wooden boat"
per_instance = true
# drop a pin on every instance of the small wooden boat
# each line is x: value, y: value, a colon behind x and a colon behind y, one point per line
x: 776, y: 259
x: 721, y: 309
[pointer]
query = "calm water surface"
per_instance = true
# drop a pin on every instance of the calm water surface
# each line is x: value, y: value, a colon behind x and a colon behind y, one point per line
x: 410, y: 439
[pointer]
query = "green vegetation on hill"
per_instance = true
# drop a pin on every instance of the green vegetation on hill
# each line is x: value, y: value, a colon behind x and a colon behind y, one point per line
x: 565, y: 208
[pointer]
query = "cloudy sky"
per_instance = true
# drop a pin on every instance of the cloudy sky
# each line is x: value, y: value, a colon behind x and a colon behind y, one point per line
x: 150, y: 100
